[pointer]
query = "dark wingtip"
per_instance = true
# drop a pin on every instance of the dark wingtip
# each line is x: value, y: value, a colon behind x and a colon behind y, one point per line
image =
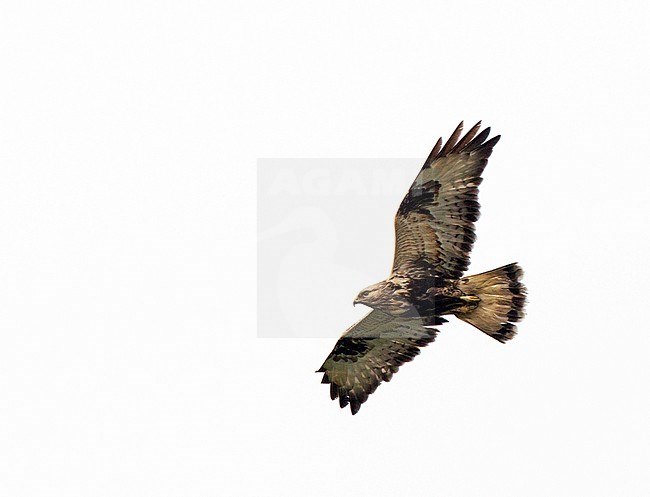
x: 434, y: 153
x: 453, y: 139
x: 472, y: 141
x: 492, y: 142
x: 334, y: 391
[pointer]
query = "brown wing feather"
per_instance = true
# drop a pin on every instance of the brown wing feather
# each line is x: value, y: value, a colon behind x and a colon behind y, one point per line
x: 434, y: 225
x: 370, y: 352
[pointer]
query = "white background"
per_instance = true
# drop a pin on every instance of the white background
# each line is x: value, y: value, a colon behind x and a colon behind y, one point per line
x: 129, y: 362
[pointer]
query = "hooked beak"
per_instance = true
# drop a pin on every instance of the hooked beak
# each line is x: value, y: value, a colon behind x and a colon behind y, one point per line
x: 356, y: 301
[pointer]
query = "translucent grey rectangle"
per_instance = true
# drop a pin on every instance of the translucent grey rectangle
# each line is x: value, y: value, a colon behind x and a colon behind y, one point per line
x: 325, y: 231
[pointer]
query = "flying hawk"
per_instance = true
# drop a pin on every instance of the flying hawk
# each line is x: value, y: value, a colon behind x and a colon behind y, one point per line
x: 434, y: 235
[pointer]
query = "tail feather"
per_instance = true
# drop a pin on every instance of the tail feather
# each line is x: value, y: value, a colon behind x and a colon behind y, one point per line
x: 502, y: 301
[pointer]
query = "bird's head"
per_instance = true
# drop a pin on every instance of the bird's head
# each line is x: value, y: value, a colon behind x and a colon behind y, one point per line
x: 385, y: 296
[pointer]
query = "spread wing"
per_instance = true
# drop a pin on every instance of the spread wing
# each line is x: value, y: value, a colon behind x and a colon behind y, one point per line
x: 370, y: 352
x: 434, y: 226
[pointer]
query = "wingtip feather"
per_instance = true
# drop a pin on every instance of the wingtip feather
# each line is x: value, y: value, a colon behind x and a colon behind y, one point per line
x: 453, y: 139
x: 471, y: 141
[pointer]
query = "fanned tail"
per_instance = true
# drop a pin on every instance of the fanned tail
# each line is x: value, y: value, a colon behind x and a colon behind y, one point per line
x: 502, y: 301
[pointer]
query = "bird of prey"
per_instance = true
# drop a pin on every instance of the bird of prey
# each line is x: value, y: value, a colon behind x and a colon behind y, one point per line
x: 434, y: 235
